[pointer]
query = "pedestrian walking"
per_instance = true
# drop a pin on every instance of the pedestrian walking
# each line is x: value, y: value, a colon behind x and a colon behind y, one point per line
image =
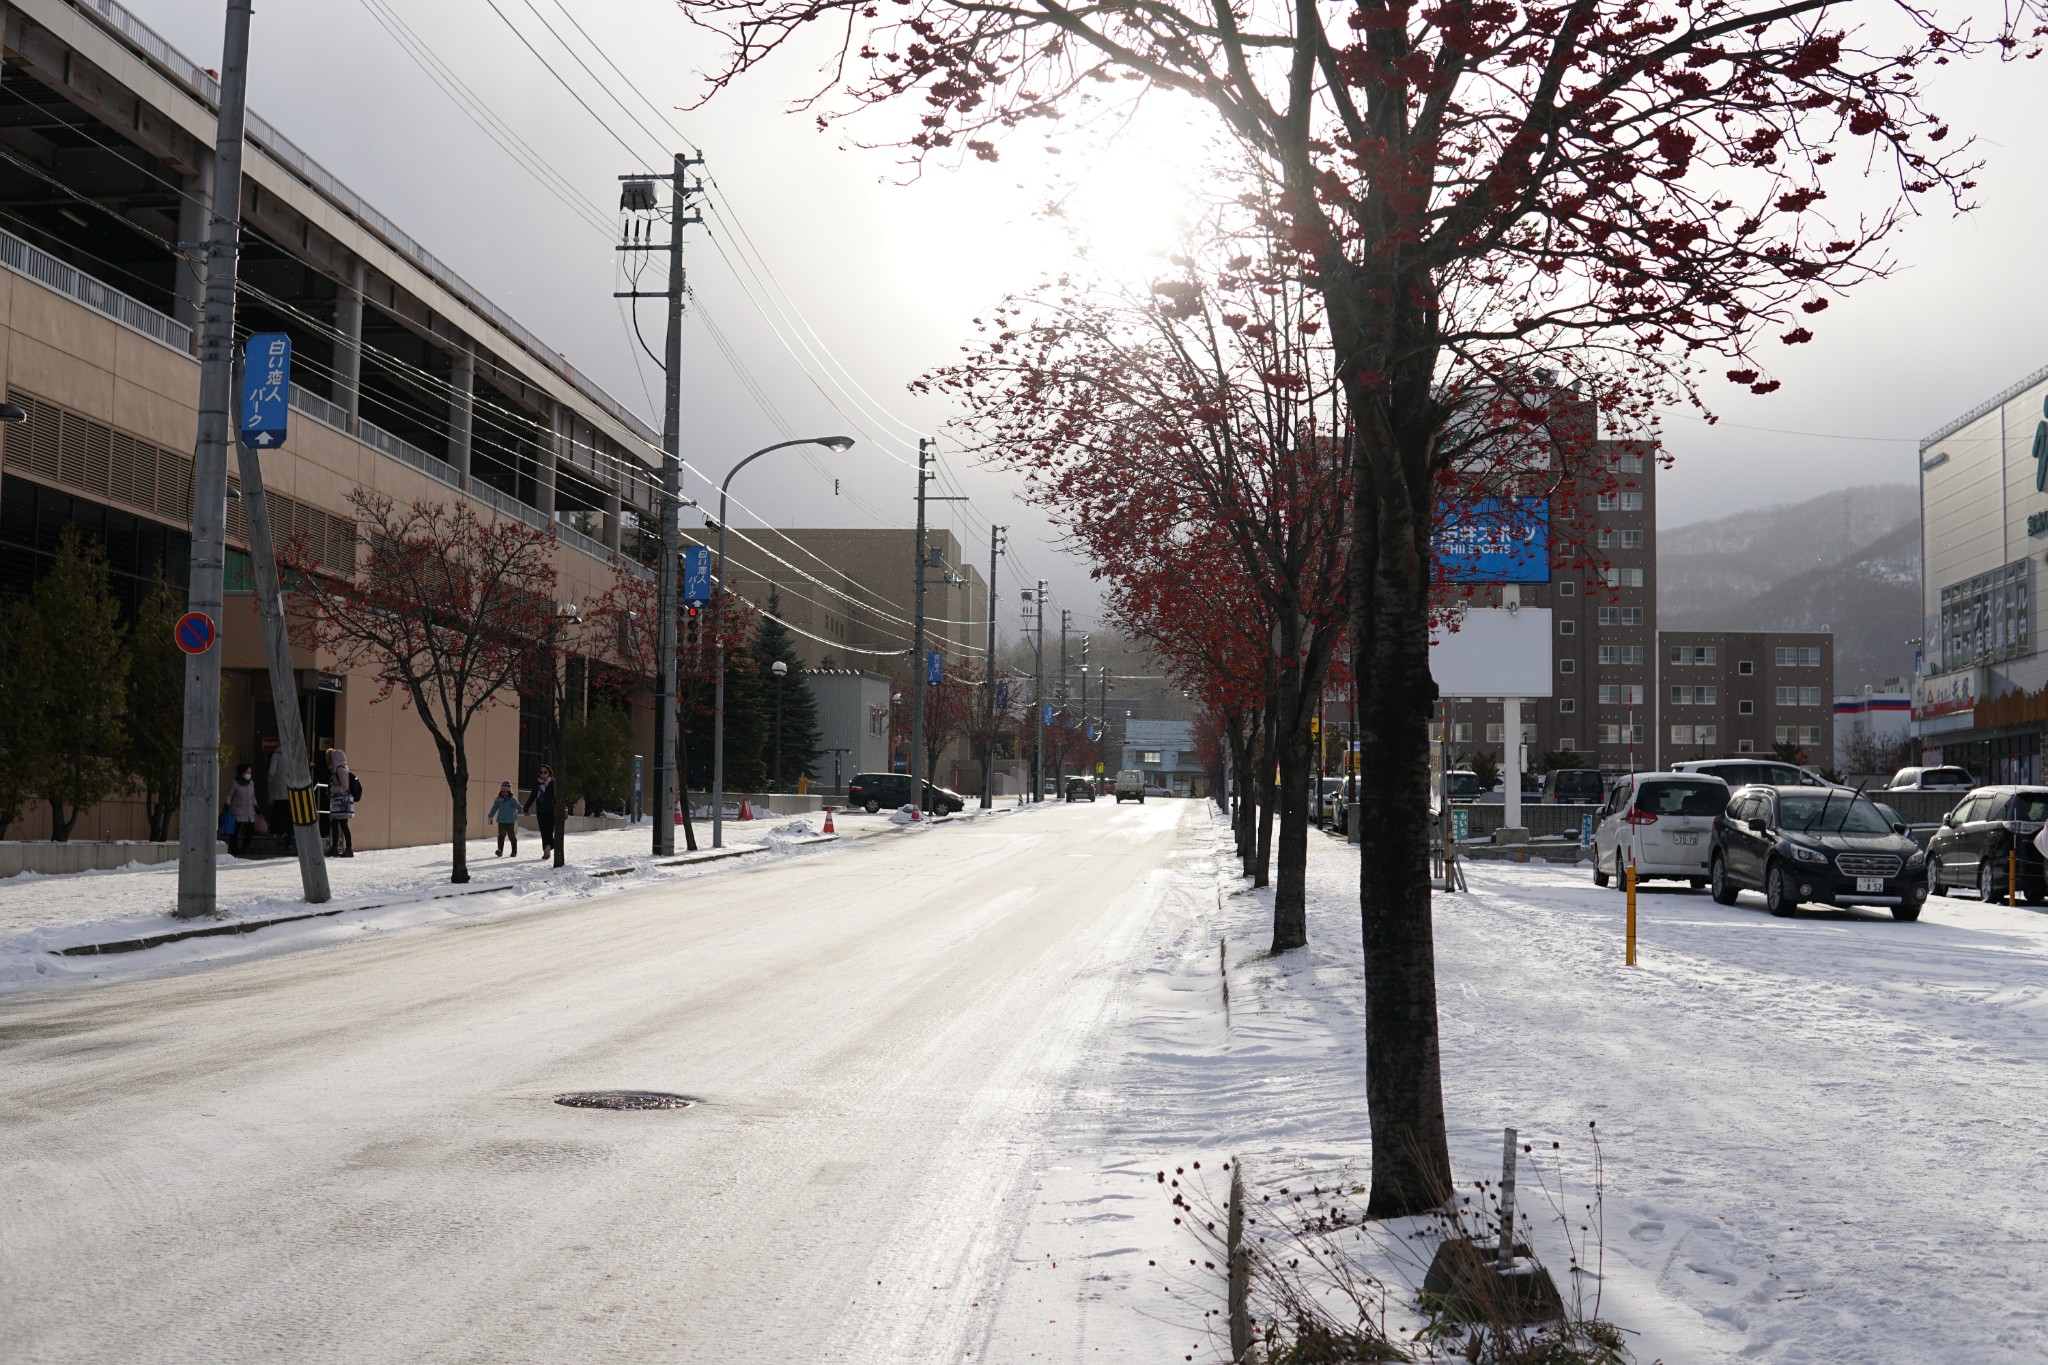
x: 505, y: 811
x: 341, y: 805
x: 242, y: 806
x: 541, y: 801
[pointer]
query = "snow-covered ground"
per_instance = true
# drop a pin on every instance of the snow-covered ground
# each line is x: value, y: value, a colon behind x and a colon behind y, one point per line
x: 377, y: 891
x: 1821, y: 1135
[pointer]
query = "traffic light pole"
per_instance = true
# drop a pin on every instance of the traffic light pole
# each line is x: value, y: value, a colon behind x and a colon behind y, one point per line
x: 199, y: 774
x: 1038, y: 699
x: 917, y: 664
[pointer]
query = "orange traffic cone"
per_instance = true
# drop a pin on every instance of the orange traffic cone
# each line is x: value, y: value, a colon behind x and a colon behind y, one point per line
x: 828, y: 821
x: 746, y: 809
x: 915, y: 815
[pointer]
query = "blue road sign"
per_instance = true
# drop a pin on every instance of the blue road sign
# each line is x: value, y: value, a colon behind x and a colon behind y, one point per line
x: 697, y: 574
x: 266, y: 390
x: 1002, y: 694
x: 195, y: 632
x: 1048, y: 713
x: 1495, y: 540
x: 1585, y: 831
x: 934, y: 669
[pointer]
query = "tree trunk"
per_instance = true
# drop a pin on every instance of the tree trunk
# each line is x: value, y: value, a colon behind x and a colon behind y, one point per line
x: 455, y: 767
x: 683, y: 787
x: 1262, y: 856
x: 60, y: 824
x: 1290, y: 890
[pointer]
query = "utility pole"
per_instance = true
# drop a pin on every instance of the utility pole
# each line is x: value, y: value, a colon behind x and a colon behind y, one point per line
x: 988, y: 676
x: 1038, y: 699
x: 637, y: 196
x: 199, y: 776
x: 1066, y: 620
x: 1084, y: 699
x: 917, y: 664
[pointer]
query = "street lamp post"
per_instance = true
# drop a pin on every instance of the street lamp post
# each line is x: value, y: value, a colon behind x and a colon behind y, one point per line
x: 781, y: 671
x: 832, y: 443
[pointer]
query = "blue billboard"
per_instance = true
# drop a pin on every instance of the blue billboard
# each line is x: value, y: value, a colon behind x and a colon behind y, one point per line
x: 1494, y: 540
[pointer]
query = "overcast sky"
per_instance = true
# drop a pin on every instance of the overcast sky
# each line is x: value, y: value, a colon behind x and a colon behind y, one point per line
x: 879, y: 281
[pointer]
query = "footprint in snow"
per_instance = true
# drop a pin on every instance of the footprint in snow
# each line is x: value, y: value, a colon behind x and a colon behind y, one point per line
x: 1647, y: 1232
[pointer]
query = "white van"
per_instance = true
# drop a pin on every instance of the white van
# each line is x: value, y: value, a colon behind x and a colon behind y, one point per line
x: 1662, y: 824
x: 1130, y: 785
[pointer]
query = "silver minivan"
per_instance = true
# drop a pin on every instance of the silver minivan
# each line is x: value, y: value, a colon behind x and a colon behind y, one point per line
x: 1662, y: 824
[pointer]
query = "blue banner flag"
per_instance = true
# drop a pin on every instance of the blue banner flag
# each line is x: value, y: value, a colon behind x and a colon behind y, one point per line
x: 266, y: 390
x: 934, y: 669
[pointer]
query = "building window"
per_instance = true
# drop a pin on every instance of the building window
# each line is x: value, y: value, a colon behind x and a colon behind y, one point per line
x: 1704, y: 695
x: 1632, y: 616
x: 1148, y: 756
x: 1605, y: 539
x: 1706, y: 654
x: 1568, y: 588
x: 1798, y: 656
x: 1809, y: 734
x: 1495, y: 732
x: 1798, y: 734
x: 1746, y: 668
x: 1610, y: 654
x: 1608, y: 616
x: 1610, y: 694
x: 1567, y: 665
x: 1567, y: 705
x: 1681, y: 734
x: 1567, y: 626
x: 1567, y: 745
x: 1631, y: 540
x: 1631, y: 502
x: 1681, y: 696
x: 1630, y: 464
x: 1681, y: 656
x: 1606, y: 502
x: 1799, y: 696
x: 1462, y: 732
x: 1694, y: 734
x: 1631, y: 654
x: 1621, y: 694
x: 1624, y: 578
x: 1621, y: 734
x: 1745, y: 708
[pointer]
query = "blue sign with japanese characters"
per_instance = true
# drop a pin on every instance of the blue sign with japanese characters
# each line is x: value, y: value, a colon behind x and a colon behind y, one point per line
x: 1494, y: 540
x: 1002, y: 694
x: 934, y: 669
x: 697, y: 574
x: 1048, y: 713
x: 266, y: 390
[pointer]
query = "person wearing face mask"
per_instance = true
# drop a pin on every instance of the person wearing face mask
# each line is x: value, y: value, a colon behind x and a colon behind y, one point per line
x: 242, y: 805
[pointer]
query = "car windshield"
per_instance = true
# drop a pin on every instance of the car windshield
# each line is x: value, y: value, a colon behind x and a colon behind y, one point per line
x: 1944, y: 777
x: 1684, y: 798
x: 1820, y: 814
x: 1767, y: 774
x: 1464, y: 784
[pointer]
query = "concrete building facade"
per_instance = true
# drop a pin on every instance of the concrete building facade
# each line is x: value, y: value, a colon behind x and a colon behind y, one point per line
x: 1735, y: 692
x: 408, y: 383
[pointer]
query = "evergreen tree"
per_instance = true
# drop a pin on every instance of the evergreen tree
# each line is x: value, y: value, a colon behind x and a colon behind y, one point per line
x: 80, y: 680
x: 746, y: 726
x: 800, y: 737
x: 599, y: 770
x: 154, y: 753
x: 21, y: 717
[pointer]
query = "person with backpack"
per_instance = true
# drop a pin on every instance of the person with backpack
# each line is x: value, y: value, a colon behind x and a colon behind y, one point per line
x: 541, y: 801
x: 505, y: 813
x: 343, y: 791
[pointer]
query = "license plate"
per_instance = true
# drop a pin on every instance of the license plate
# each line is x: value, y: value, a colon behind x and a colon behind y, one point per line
x: 1691, y: 839
x: 1870, y: 886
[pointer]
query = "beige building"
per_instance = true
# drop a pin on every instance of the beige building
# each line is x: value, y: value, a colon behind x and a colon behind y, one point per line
x: 407, y: 382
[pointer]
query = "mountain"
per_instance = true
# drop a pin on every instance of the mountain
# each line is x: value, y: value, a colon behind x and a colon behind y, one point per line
x: 1848, y: 561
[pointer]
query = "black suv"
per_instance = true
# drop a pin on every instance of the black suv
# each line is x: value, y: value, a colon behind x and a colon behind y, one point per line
x: 1986, y: 829
x: 1574, y: 787
x: 1827, y: 845
x: 873, y: 792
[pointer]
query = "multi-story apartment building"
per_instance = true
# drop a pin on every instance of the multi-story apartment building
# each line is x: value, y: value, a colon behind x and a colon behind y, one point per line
x: 1729, y: 692
x: 1603, y: 602
x: 408, y: 383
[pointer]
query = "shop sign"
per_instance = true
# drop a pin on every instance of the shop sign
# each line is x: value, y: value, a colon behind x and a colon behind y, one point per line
x: 1946, y: 694
x: 1985, y: 619
x: 313, y: 680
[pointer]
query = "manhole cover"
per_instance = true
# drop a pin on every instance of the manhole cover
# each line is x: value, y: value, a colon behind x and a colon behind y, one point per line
x: 624, y: 1099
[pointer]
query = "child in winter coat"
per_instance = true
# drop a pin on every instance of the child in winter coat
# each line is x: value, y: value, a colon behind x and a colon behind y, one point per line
x: 505, y: 810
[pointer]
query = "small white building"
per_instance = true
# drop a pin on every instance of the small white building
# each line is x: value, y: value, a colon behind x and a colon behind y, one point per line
x: 853, y: 724
x: 1165, y: 751
x: 1872, y: 728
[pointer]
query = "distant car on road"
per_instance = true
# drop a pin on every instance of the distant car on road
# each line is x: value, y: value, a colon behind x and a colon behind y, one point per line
x: 1130, y: 786
x: 1462, y: 784
x: 874, y: 792
x: 1747, y: 772
x: 1662, y: 824
x: 1991, y: 829
x: 1080, y: 789
x: 1573, y: 787
x: 1832, y: 846
x: 1949, y: 779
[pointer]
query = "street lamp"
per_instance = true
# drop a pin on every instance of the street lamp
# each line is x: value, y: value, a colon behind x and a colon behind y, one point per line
x: 780, y: 670
x: 836, y: 444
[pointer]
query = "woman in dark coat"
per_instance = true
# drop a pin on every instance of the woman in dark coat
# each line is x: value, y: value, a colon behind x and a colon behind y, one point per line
x: 541, y: 803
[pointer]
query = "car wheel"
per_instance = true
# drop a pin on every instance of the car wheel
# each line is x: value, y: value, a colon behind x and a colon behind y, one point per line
x: 1697, y: 882
x: 1934, y: 883
x: 1778, y: 898
x: 872, y: 807
x: 1985, y: 891
x: 1905, y: 912
x: 1719, y: 887
x: 1599, y: 873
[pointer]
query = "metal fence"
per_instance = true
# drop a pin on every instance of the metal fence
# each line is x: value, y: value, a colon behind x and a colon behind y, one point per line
x: 45, y: 269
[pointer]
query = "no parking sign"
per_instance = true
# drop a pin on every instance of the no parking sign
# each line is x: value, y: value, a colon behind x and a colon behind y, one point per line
x: 195, y: 632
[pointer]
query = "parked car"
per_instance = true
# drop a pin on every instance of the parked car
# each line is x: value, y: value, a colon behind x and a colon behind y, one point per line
x: 1661, y: 823
x: 1573, y: 787
x: 1130, y: 786
x: 1833, y: 847
x: 1972, y: 846
x: 874, y: 792
x: 1949, y: 779
x: 1080, y: 789
x: 1748, y: 772
x: 1462, y: 784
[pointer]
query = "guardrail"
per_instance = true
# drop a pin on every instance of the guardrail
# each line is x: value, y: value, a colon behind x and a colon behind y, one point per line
x: 39, y: 265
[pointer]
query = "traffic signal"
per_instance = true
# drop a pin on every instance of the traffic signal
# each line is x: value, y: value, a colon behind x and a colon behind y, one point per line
x: 693, y: 617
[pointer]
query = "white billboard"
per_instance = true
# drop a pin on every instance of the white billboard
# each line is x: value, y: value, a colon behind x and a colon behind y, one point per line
x: 1494, y: 652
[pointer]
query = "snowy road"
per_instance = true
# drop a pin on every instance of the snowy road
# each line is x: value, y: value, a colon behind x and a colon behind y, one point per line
x: 353, y: 1154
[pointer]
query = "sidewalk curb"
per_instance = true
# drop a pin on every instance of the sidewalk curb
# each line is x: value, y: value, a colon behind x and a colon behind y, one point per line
x: 130, y: 945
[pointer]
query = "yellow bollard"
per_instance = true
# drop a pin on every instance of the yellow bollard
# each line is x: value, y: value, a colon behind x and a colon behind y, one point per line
x: 2012, y: 875
x: 1631, y: 875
